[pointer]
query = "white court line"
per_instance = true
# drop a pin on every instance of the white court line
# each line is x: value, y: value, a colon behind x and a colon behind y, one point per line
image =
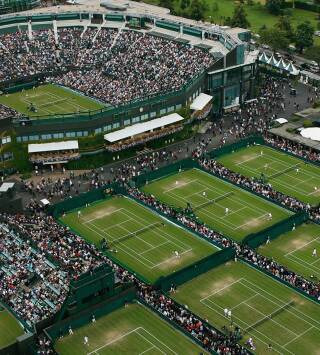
x: 253, y: 219
x: 245, y: 301
x: 291, y: 187
x: 242, y: 321
x: 165, y: 345
x: 288, y: 310
x: 100, y: 217
x: 247, y: 325
x: 183, y: 184
x: 221, y: 289
x: 144, y: 352
x: 271, y: 319
x: 172, y: 257
x: 300, y: 262
x: 298, y: 336
x: 171, y: 237
x: 117, y: 225
x: 249, y: 159
x: 302, y: 246
x: 155, y: 247
x: 114, y: 340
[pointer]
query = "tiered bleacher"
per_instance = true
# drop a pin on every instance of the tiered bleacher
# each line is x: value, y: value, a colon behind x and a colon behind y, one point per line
x: 115, y: 66
x: 31, y: 285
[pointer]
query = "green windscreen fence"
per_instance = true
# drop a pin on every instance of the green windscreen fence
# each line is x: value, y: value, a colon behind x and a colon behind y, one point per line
x: 85, y: 317
x: 163, y: 172
x: 88, y: 197
x: 188, y: 273
x: 227, y: 149
x: 256, y: 239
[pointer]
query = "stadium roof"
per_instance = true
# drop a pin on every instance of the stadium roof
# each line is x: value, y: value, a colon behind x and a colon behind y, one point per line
x: 142, y: 127
x: 52, y: 147
x: 200, y: 101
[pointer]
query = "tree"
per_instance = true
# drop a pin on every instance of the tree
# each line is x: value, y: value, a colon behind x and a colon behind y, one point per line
x: 166, y: 3
x: 275, y: 38
x: 284, y: 24
x: 239, y: 18
x: 304, y: 36
x: 198, y: 9
x: 313, y: 53
x: 275, y: 6
x: 184, y: 4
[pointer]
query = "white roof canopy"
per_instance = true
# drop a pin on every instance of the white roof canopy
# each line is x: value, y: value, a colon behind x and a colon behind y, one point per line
x: 281, y: 120
x: 6, y: 186
x: 200, y: 102
x: 52, y: 147
x: 142, y: 127
x: 312, y: 133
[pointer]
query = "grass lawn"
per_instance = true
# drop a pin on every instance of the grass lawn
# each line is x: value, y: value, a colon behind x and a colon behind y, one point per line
x: 139, y: 238
x: 263, y: 308
x: 294, y: 250
x: 49, y: 100
x: 210, y: 196
x: 280, y: 170
x: 129, y: 330
x: 10, y: 328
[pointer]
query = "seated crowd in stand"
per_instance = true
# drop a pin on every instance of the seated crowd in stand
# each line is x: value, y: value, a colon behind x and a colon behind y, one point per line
x: 113, y: 66
x: 6, y: 112
x: 59, y: 156
x: 29, y: 283
x: 143, y: 138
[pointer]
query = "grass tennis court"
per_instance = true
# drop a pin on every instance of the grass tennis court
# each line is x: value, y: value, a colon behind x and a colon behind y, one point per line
x: 286, y: 173
x: 49, y: 100
x: 263, y: 308
x: 139, y: 238
x: 10, y: 328
x: 129, y: 330
x: 210, y: 196
x: 294, y: 250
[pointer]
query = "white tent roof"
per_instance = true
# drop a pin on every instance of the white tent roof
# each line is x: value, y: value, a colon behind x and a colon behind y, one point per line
x: 263, y: 58
x: 142, y: 127
x: 6, y: 186
x: 272, y: 61
x: 292, y: 69
x: 312, y: 133
x: 281, y: 120
x: 281, y: 64
x: 200, y: 102
x: 52, y: 147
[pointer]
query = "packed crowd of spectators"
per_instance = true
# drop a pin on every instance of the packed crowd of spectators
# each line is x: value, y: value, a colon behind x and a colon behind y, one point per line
x: 51, y: 157
x: 259, y: 187
x: 312, y: 288
x: 113, y: 66
x: 71, y: 252
x: 291, y: 147
x: 209, y: 337
x: 6, y: 112
x: 30, y: 284
x: 74, y: 257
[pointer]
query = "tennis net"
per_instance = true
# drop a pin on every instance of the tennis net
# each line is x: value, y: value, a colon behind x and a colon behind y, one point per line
x: 290, y: 168
x: 215, y: 200
x: 269, y: 316
x: 134, y: 234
